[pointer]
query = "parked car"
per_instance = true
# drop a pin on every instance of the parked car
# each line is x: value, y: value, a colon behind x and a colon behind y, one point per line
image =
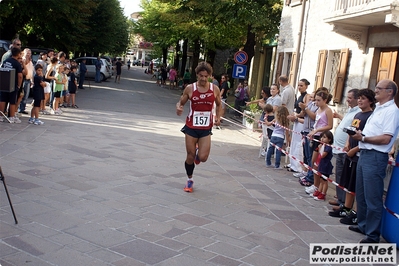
x: 106, y: 67
x: 4, y: 46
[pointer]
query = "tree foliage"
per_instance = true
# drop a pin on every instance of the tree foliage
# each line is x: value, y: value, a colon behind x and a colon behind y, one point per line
x: 93, y: 26
x: 209, y: 25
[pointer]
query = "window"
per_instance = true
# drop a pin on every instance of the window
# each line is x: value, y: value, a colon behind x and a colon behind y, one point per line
x: 293, y: 2
x: 331, y: 71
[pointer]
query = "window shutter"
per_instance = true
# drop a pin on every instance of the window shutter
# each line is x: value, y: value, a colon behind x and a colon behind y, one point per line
x: 321, y: 68
x: 341, y: 75
x: 291, y: 78
x: 387, y: 64
x: 279, y: 67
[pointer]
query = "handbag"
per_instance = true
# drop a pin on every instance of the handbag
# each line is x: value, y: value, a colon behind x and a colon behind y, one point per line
x: 237, y: 94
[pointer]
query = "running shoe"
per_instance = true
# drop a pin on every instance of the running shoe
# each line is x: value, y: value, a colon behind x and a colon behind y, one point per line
x: 38, y: 122
x: 321, y: 196
x: 196, y: 160
x: 311, y: 189
x: 14, y: 120
x: 31, y: 120
x: 189, y: 186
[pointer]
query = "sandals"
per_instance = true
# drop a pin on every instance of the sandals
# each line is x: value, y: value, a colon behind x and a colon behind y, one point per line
x: 305, y: 183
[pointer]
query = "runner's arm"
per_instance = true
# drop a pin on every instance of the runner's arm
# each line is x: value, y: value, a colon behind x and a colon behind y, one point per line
x: 183, y: 99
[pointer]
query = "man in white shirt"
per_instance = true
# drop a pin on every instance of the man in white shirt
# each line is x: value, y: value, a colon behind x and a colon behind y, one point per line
x: 375, y: 142
x: 340, y: 138
x: 287, y: 93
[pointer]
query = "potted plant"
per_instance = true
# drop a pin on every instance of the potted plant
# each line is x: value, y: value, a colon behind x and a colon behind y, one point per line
x: 251, y: 115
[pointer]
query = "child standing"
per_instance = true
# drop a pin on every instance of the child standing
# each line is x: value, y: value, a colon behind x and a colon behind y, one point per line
x: 72, y: 86
x: 59, y: 87
x: 278, y: 135
x: 324, y: 164
x: 38, y: 95
x: 65, y: 93
x: 268, y: 119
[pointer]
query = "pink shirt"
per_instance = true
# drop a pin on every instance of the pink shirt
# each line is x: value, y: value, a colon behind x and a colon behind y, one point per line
x: 172, y: 74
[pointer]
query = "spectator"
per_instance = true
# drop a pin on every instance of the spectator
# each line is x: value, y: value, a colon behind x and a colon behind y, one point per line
x: 61, y: 58
x: 82, y: 73
x: 59, y: 87
x: 323, y: 122
x: 275, y: 99
x: 98, y: 70
x: 50, y: 77
x: 38, y: 95
x: 287, y: 93
x: 186, y: 78
x: 375, y: 142
x: 240, y: 95
x: 277, y: 138
x: 324, y: 164
x: 296, y: 140
x: 265, y: 93
x: 15, y: 43
x: 309, y: 120
x: 340, y: 139
x: 72, y: 86
x: 164, y: 75
x: 172, y: 78
x: 224, y: 89
x: 366, y: 103
x: 30, y: 69
x: 11, y: 97
x: 118, y: 65
x: 42, y: 61
x: 65, y: 92
x: 214, y: 81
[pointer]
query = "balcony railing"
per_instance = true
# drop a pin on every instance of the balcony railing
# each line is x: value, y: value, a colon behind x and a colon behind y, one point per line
x: 345, y: 4
x: 355, y: 5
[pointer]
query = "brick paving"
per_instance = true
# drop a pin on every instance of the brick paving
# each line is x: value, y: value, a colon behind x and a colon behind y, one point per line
x: 103, y: 185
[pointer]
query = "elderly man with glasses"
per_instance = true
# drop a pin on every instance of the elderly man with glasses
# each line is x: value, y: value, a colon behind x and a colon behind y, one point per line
x: 15, y: 43
x: 375, y: 141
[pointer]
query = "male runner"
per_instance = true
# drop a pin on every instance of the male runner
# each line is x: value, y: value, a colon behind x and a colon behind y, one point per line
x: 199, y: 122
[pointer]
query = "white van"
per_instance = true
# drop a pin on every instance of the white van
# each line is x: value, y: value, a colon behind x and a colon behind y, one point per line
x: 106, y: 67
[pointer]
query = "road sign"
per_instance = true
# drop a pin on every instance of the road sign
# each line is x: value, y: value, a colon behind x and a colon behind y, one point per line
x: 239, y: 71
x: 240, y: 57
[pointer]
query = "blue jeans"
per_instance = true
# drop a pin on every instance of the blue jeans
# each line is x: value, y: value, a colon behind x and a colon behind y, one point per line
x: 369, y: 191
x: 308, y: 152
x: 279, y: 142
x: 98, y: 76
x: 26, y: 86
x: 339, y: 165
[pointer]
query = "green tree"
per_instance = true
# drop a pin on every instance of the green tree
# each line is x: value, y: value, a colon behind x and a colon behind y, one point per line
x: 74, y: 25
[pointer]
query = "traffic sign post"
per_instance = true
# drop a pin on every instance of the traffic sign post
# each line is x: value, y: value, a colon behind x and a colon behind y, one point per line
x: 239, y: 71
x: 241, y: 57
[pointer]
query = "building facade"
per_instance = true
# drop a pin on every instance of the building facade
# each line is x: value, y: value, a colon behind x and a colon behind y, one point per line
x: 339, y: 44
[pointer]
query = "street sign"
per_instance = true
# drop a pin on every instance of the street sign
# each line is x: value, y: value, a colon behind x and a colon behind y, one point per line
x: 239, y: 71
x: 240, y: 57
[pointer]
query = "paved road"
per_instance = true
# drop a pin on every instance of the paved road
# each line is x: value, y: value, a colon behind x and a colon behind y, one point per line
x: 103, y: 185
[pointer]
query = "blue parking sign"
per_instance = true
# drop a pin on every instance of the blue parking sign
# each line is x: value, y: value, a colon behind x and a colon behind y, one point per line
x: 239, y: 71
